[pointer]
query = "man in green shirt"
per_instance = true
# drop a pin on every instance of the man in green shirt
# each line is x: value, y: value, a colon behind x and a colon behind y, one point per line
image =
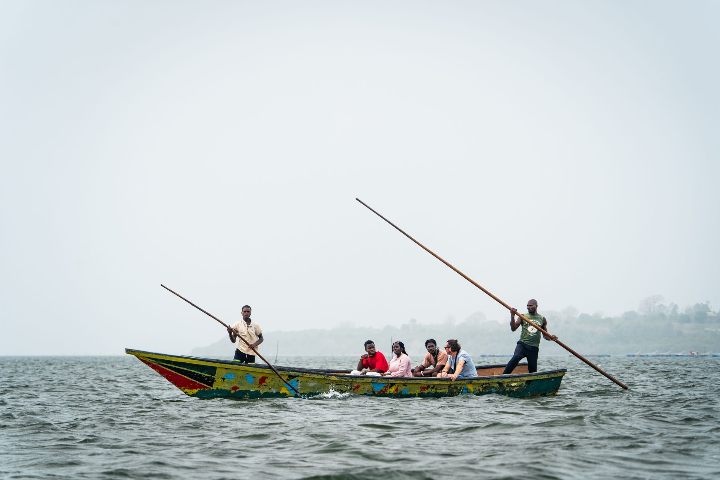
x: 529, y: 344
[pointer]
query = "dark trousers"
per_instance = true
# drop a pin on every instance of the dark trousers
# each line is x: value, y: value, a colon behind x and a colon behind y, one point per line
x: 523, y: 351
x: 245, y: 358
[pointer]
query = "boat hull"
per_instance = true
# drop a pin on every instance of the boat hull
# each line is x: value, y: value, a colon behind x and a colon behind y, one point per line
x: 211, y: 378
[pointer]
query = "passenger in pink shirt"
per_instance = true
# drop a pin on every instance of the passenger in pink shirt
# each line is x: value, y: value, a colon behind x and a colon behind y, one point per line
x: 400, y: 363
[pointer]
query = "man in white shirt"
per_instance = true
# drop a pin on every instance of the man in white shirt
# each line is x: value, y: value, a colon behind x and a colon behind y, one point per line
x: 249, y: 331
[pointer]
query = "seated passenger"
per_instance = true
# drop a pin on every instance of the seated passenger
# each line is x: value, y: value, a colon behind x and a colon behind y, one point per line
x: 459, y: 364
x: 400, y: 362
x: 372, y: 362
x: 434, y: 361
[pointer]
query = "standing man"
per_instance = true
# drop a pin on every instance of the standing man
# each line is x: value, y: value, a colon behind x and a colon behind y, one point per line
x: 248, y: 330
x: 529, y: 344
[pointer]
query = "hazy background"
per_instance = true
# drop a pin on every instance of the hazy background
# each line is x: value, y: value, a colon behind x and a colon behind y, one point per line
x: 560, y: 150
x: 656, y: 329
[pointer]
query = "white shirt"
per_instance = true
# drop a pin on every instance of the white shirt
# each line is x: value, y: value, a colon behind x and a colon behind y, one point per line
x: 250, y: 333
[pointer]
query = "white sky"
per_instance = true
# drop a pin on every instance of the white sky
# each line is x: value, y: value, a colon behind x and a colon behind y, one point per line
x: 561, y: 150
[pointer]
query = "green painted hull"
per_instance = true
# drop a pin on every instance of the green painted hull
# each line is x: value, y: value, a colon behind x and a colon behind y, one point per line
x: 210, y: 378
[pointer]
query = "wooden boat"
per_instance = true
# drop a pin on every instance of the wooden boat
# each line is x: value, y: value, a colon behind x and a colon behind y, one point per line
x: 212, y: 378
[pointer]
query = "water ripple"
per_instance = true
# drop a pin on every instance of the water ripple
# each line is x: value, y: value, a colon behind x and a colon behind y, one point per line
x: 115, y: 418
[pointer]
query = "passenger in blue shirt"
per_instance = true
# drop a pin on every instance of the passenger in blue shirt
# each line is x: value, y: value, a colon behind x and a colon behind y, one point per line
x: 459, y: 364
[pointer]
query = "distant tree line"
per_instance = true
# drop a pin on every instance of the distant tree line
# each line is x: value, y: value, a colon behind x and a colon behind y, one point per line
x: 655, y: 328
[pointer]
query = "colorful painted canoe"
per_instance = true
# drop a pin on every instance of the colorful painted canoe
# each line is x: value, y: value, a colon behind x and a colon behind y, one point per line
x: 211, y: 378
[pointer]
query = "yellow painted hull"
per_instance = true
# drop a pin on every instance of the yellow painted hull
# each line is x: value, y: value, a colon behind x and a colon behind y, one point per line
x: 211, y: 378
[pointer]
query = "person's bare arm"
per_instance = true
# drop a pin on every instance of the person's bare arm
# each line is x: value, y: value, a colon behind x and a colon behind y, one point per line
x: 549, y: 336
x: 458, y: 369
x: 232, y: 333
x: 515, y: 322
x: 360, y: 365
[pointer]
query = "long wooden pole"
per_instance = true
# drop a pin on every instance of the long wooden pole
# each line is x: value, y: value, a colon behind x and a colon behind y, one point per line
x: 523, y: 317
x: 228, y: 326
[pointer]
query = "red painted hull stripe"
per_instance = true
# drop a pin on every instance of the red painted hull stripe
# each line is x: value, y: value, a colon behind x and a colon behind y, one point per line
x: 175, y: 378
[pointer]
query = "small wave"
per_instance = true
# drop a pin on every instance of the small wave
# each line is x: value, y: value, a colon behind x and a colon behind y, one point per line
x: 469, y: 428
x: 377, y: 426
x: 385, y: 471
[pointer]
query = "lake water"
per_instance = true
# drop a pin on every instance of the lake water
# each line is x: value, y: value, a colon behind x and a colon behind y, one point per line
x: 113, y: 417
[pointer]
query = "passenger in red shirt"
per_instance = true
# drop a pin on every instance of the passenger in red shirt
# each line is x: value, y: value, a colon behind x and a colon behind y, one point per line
x: 372, y: 362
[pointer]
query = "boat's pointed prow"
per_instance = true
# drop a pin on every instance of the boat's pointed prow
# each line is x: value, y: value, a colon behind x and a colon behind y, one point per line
x: 188, y: 376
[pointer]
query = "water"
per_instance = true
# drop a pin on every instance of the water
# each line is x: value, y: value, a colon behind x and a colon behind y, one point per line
x: 112, y: 417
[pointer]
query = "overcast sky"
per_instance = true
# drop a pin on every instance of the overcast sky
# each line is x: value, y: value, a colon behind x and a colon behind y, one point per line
x: 561, y: 150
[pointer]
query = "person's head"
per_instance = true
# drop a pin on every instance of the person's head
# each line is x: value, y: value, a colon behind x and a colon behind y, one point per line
x: 452, y: 346
x: 532, y: 306
x: 370, y: 347
x: 246, y: 311
x: 398, y: 348
x: 431, y: 345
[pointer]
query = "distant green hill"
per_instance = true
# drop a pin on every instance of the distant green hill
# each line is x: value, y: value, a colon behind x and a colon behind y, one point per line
x: 659, y: 329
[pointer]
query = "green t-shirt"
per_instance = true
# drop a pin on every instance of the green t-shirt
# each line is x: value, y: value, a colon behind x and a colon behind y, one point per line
x: 531, y: 335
